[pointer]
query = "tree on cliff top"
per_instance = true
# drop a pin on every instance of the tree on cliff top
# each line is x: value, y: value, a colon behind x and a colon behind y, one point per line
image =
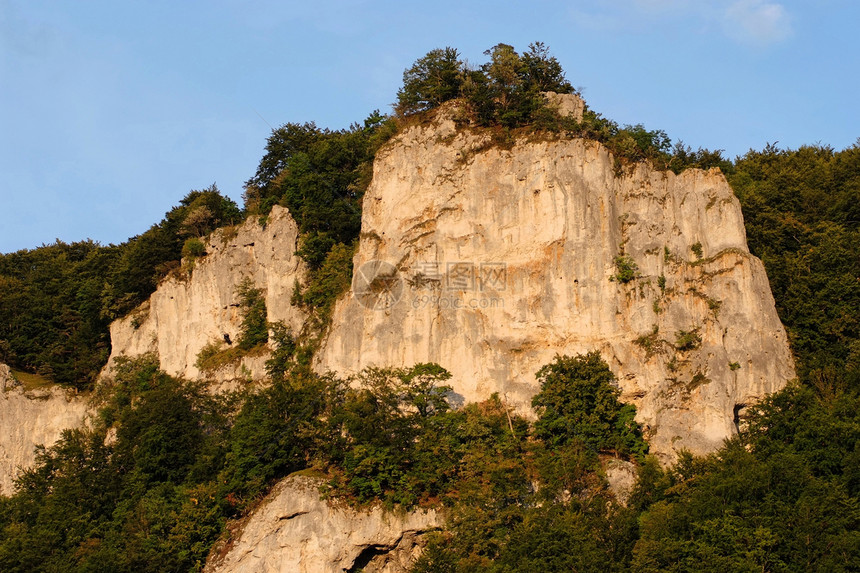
x: 506, y: 90
x: 432, y: 80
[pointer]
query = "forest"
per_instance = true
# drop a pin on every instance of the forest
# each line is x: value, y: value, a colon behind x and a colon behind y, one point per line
x: 783, y: 495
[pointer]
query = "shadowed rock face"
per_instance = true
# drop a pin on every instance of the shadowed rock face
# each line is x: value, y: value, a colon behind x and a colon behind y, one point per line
x: 185, y: 314
x: 505, y: 257
x: 294, y: 531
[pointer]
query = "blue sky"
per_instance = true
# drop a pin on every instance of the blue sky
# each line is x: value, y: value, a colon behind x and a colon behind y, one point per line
x: 110, y: 112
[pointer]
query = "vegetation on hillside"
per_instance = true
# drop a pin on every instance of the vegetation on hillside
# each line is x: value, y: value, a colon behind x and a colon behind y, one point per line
x: 802, y: 215
x: 506, y: 90
x: 157, y: 494
x: 57, y: 301
x: 506, y: 93
x: 320, y: 175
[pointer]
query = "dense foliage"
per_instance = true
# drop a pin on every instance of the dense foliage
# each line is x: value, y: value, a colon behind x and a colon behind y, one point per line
x: 252, y: 305
x: 151, y: 486
x: 321, y: 176
x: 57, y: 301
x: 802, y: 214
x: 505, y: 91
x: 783, y: 496
x: 578, y: 401
x: 131, y: 503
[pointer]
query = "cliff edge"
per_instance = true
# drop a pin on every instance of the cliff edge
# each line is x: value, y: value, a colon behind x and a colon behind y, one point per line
x: 29, y: 418
x: 491, y: 260
x: 186, y: 313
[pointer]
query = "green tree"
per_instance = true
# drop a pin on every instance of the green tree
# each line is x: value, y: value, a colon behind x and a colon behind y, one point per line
x: 543, y: 71
x: 255, y: 325
x: 578, y: 400
x: 801, y: 215
x: 432, y: 80
x: 277, y: 431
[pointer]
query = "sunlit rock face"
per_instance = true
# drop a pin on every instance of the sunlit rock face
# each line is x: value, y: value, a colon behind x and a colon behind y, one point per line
x: 491, y: 260
x: 186, y: 313
x: 29, y: 419
x: 294, y: 531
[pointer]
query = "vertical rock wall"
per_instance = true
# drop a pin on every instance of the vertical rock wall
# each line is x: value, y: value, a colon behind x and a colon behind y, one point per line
x: 28, y: 419
x: 186, y: 313
x: 490, y: 261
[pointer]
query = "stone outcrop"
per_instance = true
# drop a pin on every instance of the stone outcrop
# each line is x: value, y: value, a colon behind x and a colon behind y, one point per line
x: 490, y: 261
x: 186, y: 313
x: 565, y: 104
x: 6, y: 378
x: 620, y: 478
x: 31, y: 418
x: 294, y: 531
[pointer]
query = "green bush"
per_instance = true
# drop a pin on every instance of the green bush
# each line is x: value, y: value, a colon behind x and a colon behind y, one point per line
x: 688, y: 339
x: 578, y: 401
x: 193, y: 247
x: 650, y: 342
x: 626, y: 269
x: 697, y: 249
x: 255, y: 326
x: 333, y: 279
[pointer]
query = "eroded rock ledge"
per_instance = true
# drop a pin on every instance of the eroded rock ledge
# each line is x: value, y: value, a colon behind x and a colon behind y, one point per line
x: 294, y: 531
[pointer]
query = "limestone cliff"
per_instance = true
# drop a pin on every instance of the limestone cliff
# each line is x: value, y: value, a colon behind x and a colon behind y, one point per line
x: 294, y: 531
x: 186, y: 313
x: 490, y: 261
x: 31, y: 418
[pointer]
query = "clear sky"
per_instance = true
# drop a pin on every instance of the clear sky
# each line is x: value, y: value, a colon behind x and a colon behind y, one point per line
x: 111, y: 111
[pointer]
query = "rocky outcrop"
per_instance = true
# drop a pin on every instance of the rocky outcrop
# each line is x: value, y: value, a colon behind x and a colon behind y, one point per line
x: 186, y: 312
x: 294, y: 531
x: 490, y: 261
x: 6, y: 378
x: 31, y: 418
x: 565, y: 104
x: 620, y: 478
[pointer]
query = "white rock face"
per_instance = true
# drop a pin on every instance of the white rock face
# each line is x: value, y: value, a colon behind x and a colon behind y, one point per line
x: 183, y: 315
x: 6, y: 378
x: 293, y: 531
x: 566, y: 104
x: 28, y: 419
x: 621, y: 478
x: 506, y: 257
